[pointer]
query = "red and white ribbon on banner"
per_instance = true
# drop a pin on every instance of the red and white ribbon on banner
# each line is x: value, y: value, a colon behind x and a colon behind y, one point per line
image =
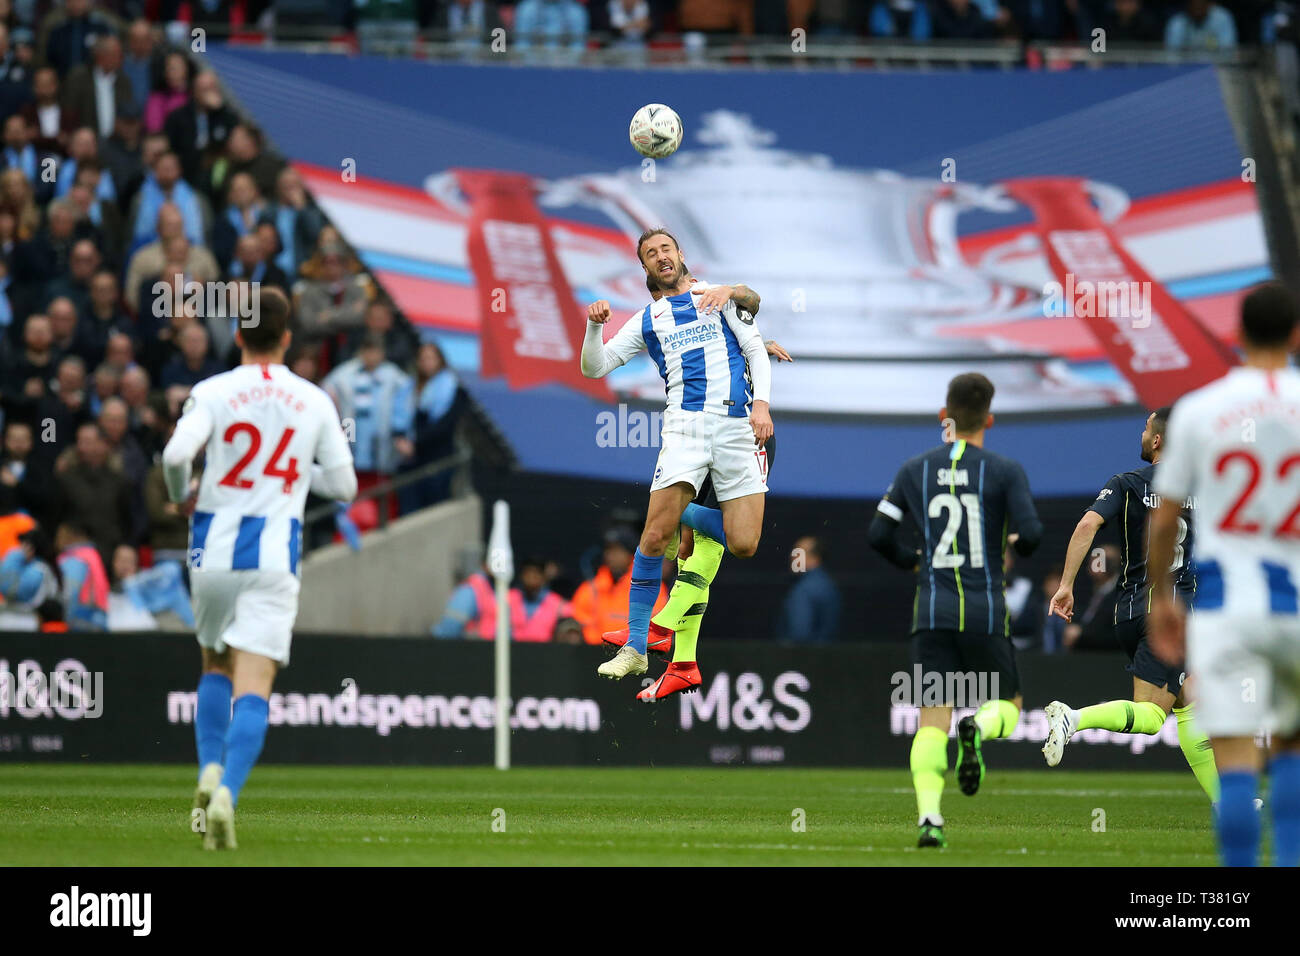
x: 1162, y: 350
x: 531, y: 327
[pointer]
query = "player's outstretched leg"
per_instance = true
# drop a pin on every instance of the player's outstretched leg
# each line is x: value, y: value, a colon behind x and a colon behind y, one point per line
x: 684, y: 614
x: 631, y: 657
x: 1198, y: 751
x: 211, y: 721
x: 993, y: 719
x: 929, y: 763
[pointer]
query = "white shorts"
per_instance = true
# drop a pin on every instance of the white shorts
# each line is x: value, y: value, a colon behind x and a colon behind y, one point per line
x: 1244, y: 673
x: 253, y: 611
x: 695, y: 444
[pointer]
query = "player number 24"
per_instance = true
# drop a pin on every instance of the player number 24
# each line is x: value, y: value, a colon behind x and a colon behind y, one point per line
x: 945, y: 555
x: 234, y: 479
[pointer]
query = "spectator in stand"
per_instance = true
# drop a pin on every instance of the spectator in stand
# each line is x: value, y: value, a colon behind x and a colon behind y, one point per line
x: 1201, y: 25
x: 600, y: 604
x: 70, y: 41
x: 539, y: 608
x: 102, y: 214
x: 888, y: 18
x: 1128, y: 22
x: 1029, y: 20
x: 198, y: 130
x: 138, y: 596
x: 45, y: 257
x: 243, y: 208
x: 469, y: 22
x: 124, y: 614
x: 244, y: 154
x: 368, y: 391
x: 103, y: 316
x: 170, y: 94
x: 302, y: 362
x: 95, y: 93
x: 630, y: 20
x: 119, y: 354
x: 85, y: 583
x: 398, y: 345
x: 811, y: 612
x: 1053, y: 630
x: 93, y: 490
x: 297, y: 222
x: 149, y: 260
x: 717, y: 16
x: 18, y: 199
x: 552, y: 24
x: 74, y: 286
x: 120, y: 154
x: 250, y: 263
x: 960, y: 20
x: 427, y: 426
x: 29, y: 577
x: 15, y: 78
x: 472, y: 609
x: 24, y: 484
x: 163, y: 184
x: 194, y: 361
x: 115, y: 424
x: 65, y: 323
x: 62, y: 411
x: 83, y: 147
x: 19, y: 152
x: 105, y: 383
x: 27, y: 375
x: 45, y: 114
x: 331, y: 299
x: 140, y: 62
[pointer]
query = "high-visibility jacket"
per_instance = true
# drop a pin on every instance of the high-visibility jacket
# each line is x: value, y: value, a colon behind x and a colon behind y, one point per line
x: 539, y: 626
x: 600, y: 604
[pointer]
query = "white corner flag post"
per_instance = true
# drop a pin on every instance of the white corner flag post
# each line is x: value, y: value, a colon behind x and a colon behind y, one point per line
x: 501, y: 561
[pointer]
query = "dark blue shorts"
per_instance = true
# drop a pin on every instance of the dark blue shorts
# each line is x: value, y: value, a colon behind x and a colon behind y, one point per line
x: 1143, y: 663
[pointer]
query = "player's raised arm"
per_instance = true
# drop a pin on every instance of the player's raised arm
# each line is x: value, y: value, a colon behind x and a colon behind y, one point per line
x: 1024, y: 521
x: 1103, y: 509
x: 191, y: 434
x: 599, y: 359
x: 332, y: 474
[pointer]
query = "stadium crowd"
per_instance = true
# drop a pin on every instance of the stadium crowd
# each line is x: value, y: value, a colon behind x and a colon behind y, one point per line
x: 577, y: 24
x: 140, y: 216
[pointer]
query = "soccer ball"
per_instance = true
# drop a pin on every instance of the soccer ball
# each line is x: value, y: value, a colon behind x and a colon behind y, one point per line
x: 656, y: 131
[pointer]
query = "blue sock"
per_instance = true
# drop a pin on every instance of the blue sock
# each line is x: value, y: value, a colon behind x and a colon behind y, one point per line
x: 706, y: 520
x: 244, y: 741
x: 1238, y: 823
x: 212, y: 717
x: 647, y: 577
x: 1284, y: 797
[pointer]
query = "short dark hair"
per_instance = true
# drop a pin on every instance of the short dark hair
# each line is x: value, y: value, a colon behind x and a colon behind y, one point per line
x: 272, y: 320
x: 1160, y: 419
x: 970, y: 396
x: 657, y: 231
x: 1268, y: 316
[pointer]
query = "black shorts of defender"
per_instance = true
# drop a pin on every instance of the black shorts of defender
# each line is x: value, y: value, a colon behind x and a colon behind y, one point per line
x: 705, y: 497
x: 963, y: 668
x: 1143, y: 663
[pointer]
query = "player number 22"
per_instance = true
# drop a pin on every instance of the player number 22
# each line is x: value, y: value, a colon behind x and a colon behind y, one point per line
x: 944, y: 555
x: 288, y: 474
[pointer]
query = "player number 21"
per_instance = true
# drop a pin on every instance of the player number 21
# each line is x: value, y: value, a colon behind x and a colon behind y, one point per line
x: 234, y: 479
x: 944, y: 554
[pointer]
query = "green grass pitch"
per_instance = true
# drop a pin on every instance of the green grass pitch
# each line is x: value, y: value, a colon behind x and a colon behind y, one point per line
x: 98, y: 815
